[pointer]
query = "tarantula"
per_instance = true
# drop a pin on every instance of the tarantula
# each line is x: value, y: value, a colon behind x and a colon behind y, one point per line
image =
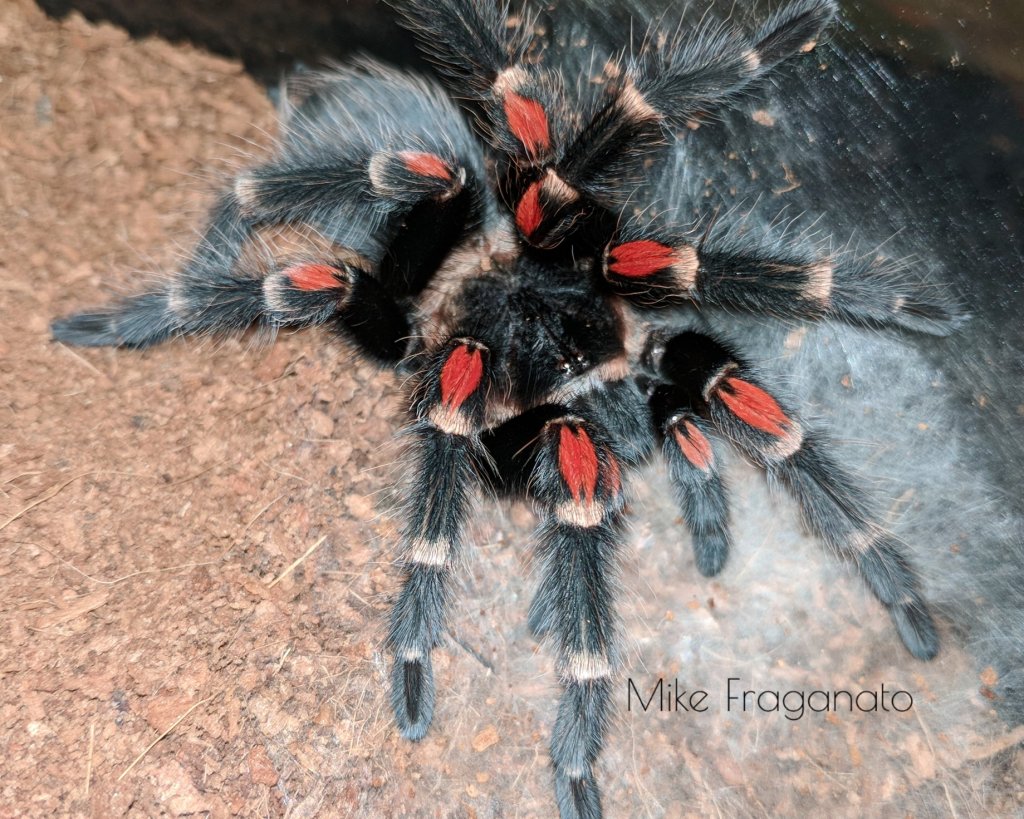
x: 536, y: 313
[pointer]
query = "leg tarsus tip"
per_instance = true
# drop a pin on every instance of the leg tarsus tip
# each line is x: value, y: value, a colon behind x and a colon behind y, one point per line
x: 917, y: 630
x: 578, y: 797
x: 412, y: 696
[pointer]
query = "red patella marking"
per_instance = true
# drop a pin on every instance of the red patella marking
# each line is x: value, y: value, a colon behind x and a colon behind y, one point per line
x: 753, y: 406
x: 529, y: 213
x: 635, y: 260
x: 461, y: 375
x: 577, y: 462
x: 424, y: 164
x: 528, y: 123
x: 694, y: 445
x: 313, y: 277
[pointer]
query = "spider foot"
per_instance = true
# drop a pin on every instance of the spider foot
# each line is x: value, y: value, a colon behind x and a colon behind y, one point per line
x: 916, y: 628
x: 413, y: 695
x: 575, y: 744
x: 578, y: 797
x: 136, y: 322
x: 892, y: 579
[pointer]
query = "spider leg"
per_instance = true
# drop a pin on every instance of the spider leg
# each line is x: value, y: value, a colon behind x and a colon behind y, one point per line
x: 244, y: 272
x: 562, y: 455
x: 681, y: 78
x: 695, y: 478
x: 300, y: 295
x: 401, y: 209
x: 449, y: 406
x: 577, y: 480
x: 558, y: 172
x: 470, y: 41
x: 220, y: 298
x: 617, y: 406
x: 567, y: 458
x: 655, y: 269
x: 481, y: 50
x: 672, y: 81
x: 354, y: 215
x: 387, y: 183
x: 703, y: 376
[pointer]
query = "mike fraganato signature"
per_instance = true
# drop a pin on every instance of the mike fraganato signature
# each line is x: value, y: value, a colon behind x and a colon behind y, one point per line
x: 794, y: 704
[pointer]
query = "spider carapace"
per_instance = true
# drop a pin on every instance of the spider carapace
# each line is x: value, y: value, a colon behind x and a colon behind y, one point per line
x: 509, y: 255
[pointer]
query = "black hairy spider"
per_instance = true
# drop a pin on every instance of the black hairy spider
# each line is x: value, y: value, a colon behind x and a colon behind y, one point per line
x: 533, y: 300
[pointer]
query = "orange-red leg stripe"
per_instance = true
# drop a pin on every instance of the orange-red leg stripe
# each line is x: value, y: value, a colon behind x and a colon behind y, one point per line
x: 461, y: 375
x: 312, y: 277
x: 753, y: 406
x: 695, y: 447
x: 528, y: 123
x: 577, y: 461
x: 528, y: 212
x: 424, y: 164
x: 640, y: 258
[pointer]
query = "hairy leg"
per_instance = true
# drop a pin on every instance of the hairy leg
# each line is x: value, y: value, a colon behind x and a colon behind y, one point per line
x: 448, y: 404
x: 702, y: 376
